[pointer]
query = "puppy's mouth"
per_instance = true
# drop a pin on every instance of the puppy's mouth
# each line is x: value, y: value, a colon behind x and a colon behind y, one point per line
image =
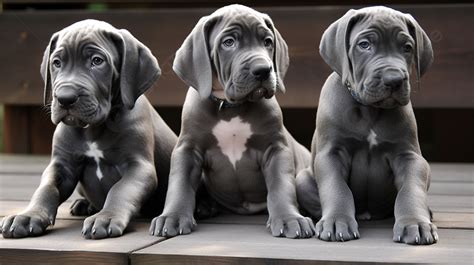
x: 390, y: 102
x: 380, y: 97
x: 260, y: 93
x: 82, y: 115
x: 254, y: 95
x: 71, y: 120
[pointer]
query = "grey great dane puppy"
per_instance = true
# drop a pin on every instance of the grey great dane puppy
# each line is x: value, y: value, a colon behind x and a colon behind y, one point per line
x: 232, y: 140
x: 366, y: 157
x: 108, y: 138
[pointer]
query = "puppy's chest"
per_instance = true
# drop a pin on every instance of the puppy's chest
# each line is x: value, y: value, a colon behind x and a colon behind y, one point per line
x: 99, y: 163
x: 232, y: 137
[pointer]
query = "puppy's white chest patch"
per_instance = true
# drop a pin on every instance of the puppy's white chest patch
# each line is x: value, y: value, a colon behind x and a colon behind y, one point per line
x: 231, y: 137
x: 372, y: 139
x: 95, y: 153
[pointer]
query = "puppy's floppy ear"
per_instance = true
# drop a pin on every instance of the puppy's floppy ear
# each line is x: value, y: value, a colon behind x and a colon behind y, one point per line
x: 44, y: 69
x: 192, y: 62
x: 334, y: 46
x: 423, y: 49
x: 281, y: 60
x: 139, y: 69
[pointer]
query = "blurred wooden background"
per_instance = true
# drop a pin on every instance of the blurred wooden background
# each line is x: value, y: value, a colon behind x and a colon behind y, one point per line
x: 444, y: 105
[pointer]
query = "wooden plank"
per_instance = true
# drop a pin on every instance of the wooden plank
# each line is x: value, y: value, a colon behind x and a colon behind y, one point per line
x: 26, y: 34
x: 21, y: 187
x: 441, y: 219
x: 452, y: 172
x: 454, y: 220
x: 235, y: 244
x: 41, y: 131
x: 451, y: 203
x: 23, y: 164
x: 66, y: 241
x: 182, y: 3
x: 452, y: 188
x: 11, y: 207
x: 15, y: 128
x: 37, y: 257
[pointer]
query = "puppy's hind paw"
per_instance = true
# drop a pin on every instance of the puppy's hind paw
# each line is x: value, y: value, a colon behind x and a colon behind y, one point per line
x: 82, y: 207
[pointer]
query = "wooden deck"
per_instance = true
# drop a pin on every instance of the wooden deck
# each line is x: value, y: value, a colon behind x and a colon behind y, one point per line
x: 237, y: 239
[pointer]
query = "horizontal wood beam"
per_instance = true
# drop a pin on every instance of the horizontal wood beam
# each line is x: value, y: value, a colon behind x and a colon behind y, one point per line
x: 448, y: 84
x: 226, y: 2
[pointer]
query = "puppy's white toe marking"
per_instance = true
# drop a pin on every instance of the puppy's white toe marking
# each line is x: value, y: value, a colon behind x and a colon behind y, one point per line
x: 231, y: 138
x: 95, y: 153
x: 372, y: 139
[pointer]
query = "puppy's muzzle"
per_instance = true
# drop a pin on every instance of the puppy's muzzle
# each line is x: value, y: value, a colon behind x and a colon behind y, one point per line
x: 66, y: 96
x: 393, y: 78
x: 261, y: 70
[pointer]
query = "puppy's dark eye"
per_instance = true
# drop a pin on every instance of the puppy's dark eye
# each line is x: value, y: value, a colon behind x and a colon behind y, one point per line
x: 229, y: 42
x: 97, y: 61
x: 57, y: 63
x: 407, y: 48
x: 268, y: 42
x: 364, y: 45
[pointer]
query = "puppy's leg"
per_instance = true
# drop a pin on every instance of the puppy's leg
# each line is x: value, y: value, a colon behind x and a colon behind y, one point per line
x: 185, y: 173
x: 412, y: 215
x: 307, y: 193
x: 57, y: 184
x: 123, y: 201
x: 338, y: 222
x: 284, y: 218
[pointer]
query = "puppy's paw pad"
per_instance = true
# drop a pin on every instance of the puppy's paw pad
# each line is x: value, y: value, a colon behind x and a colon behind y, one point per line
x: 337, y: 228
x: 415, y: 232
x: 170, y: 225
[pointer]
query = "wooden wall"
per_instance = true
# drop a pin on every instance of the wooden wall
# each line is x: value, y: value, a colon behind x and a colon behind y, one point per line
x: 26, y: 26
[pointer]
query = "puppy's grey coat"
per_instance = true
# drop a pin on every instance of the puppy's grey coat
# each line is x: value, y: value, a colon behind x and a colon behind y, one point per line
x: 236, y: 148
x: 108, y: 138
x: 366, y: 157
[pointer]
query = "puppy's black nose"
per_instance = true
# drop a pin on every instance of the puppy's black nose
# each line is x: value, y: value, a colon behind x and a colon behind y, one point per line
x: 261, y: 71
x: 393, y: 79
x: 66, y: 97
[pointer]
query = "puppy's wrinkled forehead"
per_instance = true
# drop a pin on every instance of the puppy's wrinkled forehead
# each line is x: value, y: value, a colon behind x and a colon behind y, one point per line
x: 86, y: 35
x: 384, y: 23
x: 241, y: 22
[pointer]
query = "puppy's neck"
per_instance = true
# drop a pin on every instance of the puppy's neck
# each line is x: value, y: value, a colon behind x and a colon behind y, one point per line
x: 217, y: 89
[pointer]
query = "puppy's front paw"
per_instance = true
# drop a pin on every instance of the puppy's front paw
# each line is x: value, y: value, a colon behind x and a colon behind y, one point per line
x: 102, y: 225
x: 338, y: 227
x: 31, y: 223
x: 293, y: 226
x: 170, y: 225
x: 414, y: 232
